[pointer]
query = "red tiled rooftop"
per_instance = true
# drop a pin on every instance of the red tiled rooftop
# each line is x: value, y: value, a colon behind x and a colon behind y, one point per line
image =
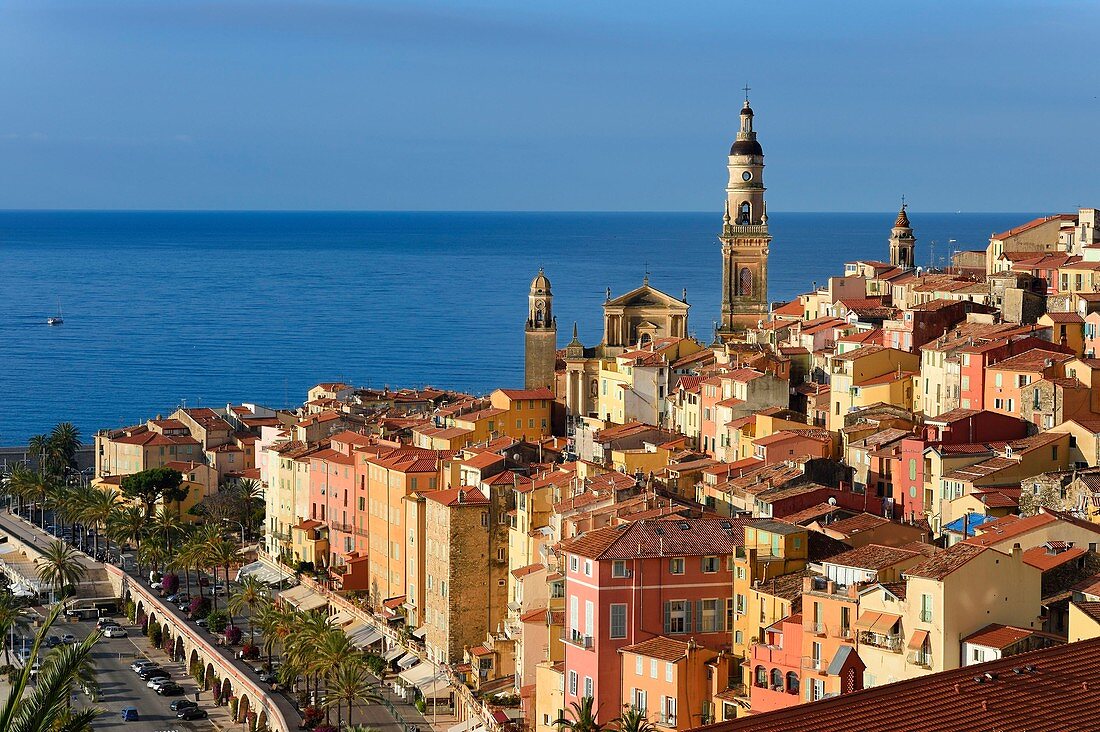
x: 672, y: 537
x: 872, y: 556
x: 999, y: 636
x: 661, y: 648
x: 946, y: 562
x: 1044, y: 559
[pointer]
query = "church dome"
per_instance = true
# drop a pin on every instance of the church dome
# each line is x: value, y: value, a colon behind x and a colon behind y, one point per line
x: 902, y: 220
x: 746, y: 110
x: 541, y: 284
x: 746, y: 147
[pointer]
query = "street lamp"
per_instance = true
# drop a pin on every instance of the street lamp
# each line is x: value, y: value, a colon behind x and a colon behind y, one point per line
x: 238, y: 523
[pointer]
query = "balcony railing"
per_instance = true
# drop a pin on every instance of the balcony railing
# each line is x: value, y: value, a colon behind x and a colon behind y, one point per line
x: 578, y: 639
x: 818, y: 628
x: 810, y: 663
x: 890, y: 643
x: 346, y: 528
x: 668, y: 720
x: 920, y: 658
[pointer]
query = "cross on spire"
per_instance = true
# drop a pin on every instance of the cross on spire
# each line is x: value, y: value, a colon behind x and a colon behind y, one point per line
x: 645, y: 280
x: 747, y: 89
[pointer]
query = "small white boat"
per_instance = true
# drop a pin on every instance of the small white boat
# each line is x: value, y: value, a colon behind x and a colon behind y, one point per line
x: 56, y: 319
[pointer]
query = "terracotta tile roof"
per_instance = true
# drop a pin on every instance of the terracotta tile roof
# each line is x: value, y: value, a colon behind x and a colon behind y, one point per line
x: 661, y: 647
x: 946, y: 562
x: 1009, y: 527
x: 812, y: 513
x: 1033, y: 360
x: 872, y: 556
x: 483, y: 460
x: 1045, y: 559
x: 857, y: 523
x: 868, y: 350
x: 987, y: 696
x: 794, y: 307
x: 540, y: 393
x: 529, y: 569
x: 1065, y: 317
x: 534, y: 616
x: 999, y: 636
x: 743, y: 375
x: 458, y: 497
x: 666, y: 537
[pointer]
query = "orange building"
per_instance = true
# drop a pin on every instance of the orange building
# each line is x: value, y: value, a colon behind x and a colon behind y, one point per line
x: 1004, y: 379
x: 776, y: 666
x: 671, y: 681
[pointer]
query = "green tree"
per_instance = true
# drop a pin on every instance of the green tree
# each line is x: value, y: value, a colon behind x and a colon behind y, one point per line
x: 154, y: 484
x: 63, y: 444
x: 28, y: 486
x: 11, y: 619
x: 127, y: 524
x: 582, y: 717
x: 60, y: 567
x: 44, y: 709
x: 349, y: 684
x: 250, y: 594
x: 634, y: 720
x: 222, y: 554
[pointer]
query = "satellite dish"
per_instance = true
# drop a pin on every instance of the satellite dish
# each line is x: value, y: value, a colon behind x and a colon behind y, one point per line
x: 832, y: 501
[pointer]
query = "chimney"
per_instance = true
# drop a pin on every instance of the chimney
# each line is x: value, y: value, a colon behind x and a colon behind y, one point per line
x: 1017, y: 552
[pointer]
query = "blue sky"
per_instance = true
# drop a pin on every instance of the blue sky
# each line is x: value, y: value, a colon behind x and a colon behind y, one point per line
x: 531, y: 105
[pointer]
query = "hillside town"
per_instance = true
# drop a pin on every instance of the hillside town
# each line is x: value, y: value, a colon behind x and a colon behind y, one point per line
x: 849, y: 497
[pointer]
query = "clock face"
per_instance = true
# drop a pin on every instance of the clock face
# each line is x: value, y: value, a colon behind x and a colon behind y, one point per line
x: 746, y: 176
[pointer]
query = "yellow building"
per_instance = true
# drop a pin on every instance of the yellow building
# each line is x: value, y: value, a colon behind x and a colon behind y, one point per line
x: 549, y: 695
x: 771, y: 549
x: 914, y: 629
x: 868, y: 375
x: 527, y: 412
x: 1067, y: 329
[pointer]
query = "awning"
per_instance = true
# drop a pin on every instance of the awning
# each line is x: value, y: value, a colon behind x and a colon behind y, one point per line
x: 417, y: 674
x: 918, y: 640
x: 365, y: 636
x: 420, y: 632
x: 264, y: 572
x: 884, y: 623
x: 343, y: 620
x: 469, y: 725
x: 303, y: 598
x: 394, y: 653
x: 408, y: 661
x: 437, y: 687
x: 867, y: 619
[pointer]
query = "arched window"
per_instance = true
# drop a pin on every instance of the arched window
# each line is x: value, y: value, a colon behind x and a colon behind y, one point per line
x: 761, y: 676
x: 792, y: 683
x: 646, y: 339
x: 744, y: 213
x: 777, y: 679
x: 744, y: 282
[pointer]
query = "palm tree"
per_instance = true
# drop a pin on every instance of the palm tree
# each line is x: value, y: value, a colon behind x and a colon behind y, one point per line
x: 277, y: 624
x: 222, y: 554
x: 85, y: 676
x: 634, y: 720
x: 248, y: 596
x: 168, y: 528
x: 39, y: 447
x: 44, y: 709
x: 60, y: 566
x: 93, y: 505
x: 583, y: 718
x: 127, y: 524
x: 64, y: 441
x: 349, y: 684
x: 11, y: 620
x: 29, y: 485
x: 189, y: 556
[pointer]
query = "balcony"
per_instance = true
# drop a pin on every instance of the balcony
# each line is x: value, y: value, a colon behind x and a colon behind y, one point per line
x: 346, y: 528
x: 890, y: 643
x: 578, y: 639
x: 818, y: 628
x: 920, y: 658
x: 812, y: 664
x: 667, y: 720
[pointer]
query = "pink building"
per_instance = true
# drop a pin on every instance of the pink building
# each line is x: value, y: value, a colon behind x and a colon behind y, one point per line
x: 332, y: 497
x: 777, y: 666
x: 629, y: 583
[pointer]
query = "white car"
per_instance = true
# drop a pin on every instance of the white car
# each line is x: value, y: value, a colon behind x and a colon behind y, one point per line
x: 158, y: 682
x: 137, y: 666
x: 114, y: 631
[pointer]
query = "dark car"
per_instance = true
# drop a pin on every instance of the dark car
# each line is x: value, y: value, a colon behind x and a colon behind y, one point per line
x: 180, y: 704
x: 153, y: 673
x: 191, y: 713
x: 170, y: 690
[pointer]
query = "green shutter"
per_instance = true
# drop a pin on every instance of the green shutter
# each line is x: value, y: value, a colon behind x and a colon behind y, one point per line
x: 668, y: 616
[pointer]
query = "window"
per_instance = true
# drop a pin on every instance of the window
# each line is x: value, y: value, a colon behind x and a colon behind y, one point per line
x: 710, y: 565
x: 997, y: 380
x: 573, y: 562
x: 709, y: 618
x: 573, y: 683
x: 588, y: 689
x: 618, y: 568
x: 653, y: 668
x: 738, y: 637
x: 502, y: 554
x: 587, y: 567
x: 484, y: 519
x: 618, y: 621
x: 729, y: 612
x: 676, y: 565
x: 912, y: 469
x: 574, y: 613
x: 740, y: 573
x: 589, y: 617
x: 740, y: 604
x: 677, y: 617
x: 639, y: 697
x: 669, y: 670
x: 639, y: 666
x: 926, y: 608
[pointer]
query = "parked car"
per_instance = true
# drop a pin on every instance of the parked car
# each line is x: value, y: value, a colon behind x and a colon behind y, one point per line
x: 153, y: 673
x: 114, y: 631
x: 104, y: 622
x: 142, y: 664
x: 172, y: 689
x: 192, y: 713
x: 179, y: 704
x: 52, y: 641
x: 68, y: 638
x: 130, y: 714
x: 201, y: 622
x: 25, y: 653
x: 155, y: 682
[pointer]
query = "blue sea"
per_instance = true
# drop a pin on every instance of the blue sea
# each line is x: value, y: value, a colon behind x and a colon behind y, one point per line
x: 163, y: 309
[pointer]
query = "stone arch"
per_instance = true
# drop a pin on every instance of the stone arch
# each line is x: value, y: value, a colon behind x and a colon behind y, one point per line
x: 166, y: 634
x: 792, y: 683
x: 244, y: 706
x: 744, y: 282
x: 261, y: 721
x: 761, y: 676
x: 744, y: 213
x: 208, y: 677
x: 777, y: 679
x: 227, y: 688
x: 194, y: 661
x: 178, y: 650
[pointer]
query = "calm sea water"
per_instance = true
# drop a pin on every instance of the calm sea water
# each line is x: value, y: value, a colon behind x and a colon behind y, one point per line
x: 163, y: 309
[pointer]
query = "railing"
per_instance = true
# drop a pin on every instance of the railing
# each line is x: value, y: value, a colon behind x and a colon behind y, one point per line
x: 810, y: 663
x: 920, y: 658
x: 890, y: 643
x: 578, y: 639
x: 818, y: 628
x: 845, y: 633
x: 668, y: 720
x: 346, y: 528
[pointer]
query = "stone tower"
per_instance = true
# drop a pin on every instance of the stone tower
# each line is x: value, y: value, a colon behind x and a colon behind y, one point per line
x: 744, y: 237
x: 902, y: 241
x: 541, y: 335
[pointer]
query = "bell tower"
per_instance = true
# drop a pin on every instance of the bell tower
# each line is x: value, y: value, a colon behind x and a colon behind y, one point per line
x: 902, y: 241
x: 744, y: 236
x: 540, y: 347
